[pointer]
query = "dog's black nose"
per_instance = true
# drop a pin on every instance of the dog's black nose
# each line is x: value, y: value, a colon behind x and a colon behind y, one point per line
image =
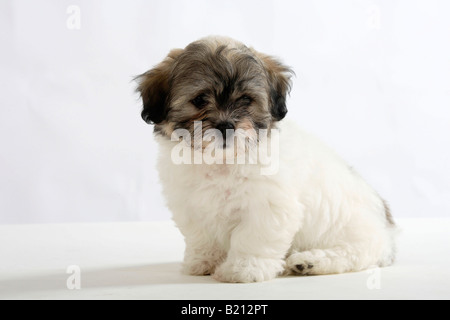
x: 224, y: 126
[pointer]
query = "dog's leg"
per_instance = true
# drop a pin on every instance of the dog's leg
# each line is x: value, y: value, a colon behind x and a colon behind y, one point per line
x: 356, y: 249
x: 346, y: 258
x: 201, y: 256
x: 259, y: 243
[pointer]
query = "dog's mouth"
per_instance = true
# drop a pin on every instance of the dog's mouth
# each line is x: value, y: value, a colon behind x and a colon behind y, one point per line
x: 226, y: 141
x: 226, y: 132
x: 227, y: 137
x: 204, y: 145
x: 231, y: 139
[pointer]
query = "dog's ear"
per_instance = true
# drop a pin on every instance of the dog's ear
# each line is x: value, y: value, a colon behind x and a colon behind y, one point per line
x: 279, y: 77
x: 153, y: 87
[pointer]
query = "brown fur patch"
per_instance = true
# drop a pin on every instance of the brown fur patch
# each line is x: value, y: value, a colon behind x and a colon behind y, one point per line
x: 154, y: 87
x: 279, y: 74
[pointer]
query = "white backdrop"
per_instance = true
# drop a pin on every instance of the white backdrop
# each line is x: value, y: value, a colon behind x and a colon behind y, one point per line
x: 373, y: 81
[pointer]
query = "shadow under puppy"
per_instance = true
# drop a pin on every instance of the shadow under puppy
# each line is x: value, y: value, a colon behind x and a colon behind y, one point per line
x: 314, y: 215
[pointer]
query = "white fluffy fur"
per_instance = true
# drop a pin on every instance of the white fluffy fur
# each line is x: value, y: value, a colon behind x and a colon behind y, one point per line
x: 316, y: 216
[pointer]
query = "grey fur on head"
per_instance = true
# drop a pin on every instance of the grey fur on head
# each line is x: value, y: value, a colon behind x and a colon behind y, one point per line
x: 215, y: 80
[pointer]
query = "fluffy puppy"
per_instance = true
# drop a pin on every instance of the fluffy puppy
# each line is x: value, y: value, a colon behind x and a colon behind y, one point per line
x: 314, y: 215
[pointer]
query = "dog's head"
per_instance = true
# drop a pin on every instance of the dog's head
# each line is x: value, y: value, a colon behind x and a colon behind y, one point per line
x: 217, y: 81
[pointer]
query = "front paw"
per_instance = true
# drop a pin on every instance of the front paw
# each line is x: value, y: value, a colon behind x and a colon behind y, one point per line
x: 198, y: 268
x: 245, y: 270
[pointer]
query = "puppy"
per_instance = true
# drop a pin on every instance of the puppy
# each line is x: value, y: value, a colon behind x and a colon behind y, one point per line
x: 314, y: 215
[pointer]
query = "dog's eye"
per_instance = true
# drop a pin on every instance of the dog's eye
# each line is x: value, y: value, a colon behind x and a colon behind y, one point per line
x: 199, y: 101
x: 245, y: 100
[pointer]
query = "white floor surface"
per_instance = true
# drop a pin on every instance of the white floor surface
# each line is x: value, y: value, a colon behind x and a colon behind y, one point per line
x: 142, y: 261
